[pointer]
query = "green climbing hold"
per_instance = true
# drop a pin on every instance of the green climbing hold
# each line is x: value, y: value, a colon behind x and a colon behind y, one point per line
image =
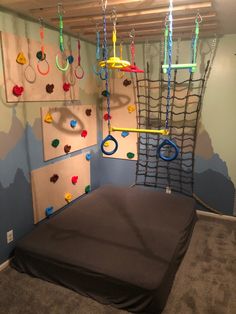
x: 87, y: 189
x: 130, y: 155
x: 55, y: 142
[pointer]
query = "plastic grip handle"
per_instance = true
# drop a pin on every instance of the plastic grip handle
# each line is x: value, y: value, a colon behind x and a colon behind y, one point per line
x: 167, y: 142
x: 109, y: 138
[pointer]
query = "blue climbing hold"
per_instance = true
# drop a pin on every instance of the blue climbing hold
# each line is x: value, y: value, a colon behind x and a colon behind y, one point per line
x: 49, y: 211
x: 73, y: 123
x: 88, y: 156
x: 70, y: 59
x: 124, y: 133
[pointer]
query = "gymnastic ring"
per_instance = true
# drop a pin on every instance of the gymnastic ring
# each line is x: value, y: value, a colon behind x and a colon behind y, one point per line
x: 109, y: 138
x: 59, y: 67
x: 165, y: 143
x: 48, y: 67
x: 29, y: 66
x: 71, y: 78
x: 79, y: 68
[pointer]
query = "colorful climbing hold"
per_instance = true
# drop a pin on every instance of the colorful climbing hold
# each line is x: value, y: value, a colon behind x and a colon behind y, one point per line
x: 88, y: 112
x: 107, y: 116
x: 105, y: 93
x: 88, y: 156
x: 70, y: 59
x: 68, y: 197
x: 84, y: 133
x: 17, y: 90
x: 48, y: 118
x: 131, y: 108
x: 130, y: 155
x: 55, y: 142
x: 66, y: 87
x: 124, y: 133
x: 74, y: 179
x: 40, y: 56
x: 87, y: 189
x: 73, y: 123
x: 49, y: 211
x: 21, y: 59
x: 54, y: 178
x: 67, y: 149
x: 126, y: 82
x: 49, y: 88
x: 106, y: 144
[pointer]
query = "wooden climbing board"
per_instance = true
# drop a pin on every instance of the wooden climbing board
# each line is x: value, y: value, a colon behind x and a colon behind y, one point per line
x: 15, y: 73
x: 123, y: 114
x: 52, y: 183
x: 67, y: 129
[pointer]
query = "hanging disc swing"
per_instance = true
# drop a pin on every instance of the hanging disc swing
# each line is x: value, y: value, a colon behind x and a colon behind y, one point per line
x: 132, y: 68
x: 41, y: 55
x: 109, y: 137
x: 167, y: 144
x: 114, y: 62
x: 61, y: 41
x: 98, y: 71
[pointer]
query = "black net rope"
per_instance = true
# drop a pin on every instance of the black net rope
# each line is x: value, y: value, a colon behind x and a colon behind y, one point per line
x: 184, y: 112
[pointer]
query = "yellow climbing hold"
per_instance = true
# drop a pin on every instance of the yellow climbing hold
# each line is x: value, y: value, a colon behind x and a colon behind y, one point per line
x: 48, y: 118
x: 106, y: 144
x: 68, y: 197
x: 21, y: 59
x: 131, y: 108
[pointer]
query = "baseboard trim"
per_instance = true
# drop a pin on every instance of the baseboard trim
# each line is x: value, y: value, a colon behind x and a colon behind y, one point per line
x: 224, y: 217
x: 4, y: 265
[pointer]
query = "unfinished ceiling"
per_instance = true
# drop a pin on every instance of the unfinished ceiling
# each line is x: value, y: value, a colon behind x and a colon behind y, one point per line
x: 146, y: 16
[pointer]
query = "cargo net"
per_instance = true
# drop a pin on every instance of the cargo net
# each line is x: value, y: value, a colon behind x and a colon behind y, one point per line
x: 185, y: 106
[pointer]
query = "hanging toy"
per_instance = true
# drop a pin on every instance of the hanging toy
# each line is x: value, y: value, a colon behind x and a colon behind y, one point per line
x: 41, y: 55
x: 132, y: 68
x: 109, y: 137
x: 79, y: 71
x: 167, y: 144
x: 62, y: 49
x: 113, y: 62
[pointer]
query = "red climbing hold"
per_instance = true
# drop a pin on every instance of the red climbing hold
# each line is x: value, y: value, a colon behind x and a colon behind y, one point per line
x: 66, y: 87
x: 106, y: 117
x: 74, y: 179
x: 84, y: 133
x: 17, y: 90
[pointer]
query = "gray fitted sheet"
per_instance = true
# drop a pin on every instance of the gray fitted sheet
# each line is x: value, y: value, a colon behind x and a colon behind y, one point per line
x: 121, y: 246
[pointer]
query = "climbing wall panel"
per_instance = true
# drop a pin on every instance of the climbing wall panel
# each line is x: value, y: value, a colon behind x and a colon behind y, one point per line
x: 53, y: 183
x: 16, y: 74
x: 67, y: 129
x: 123, y: 115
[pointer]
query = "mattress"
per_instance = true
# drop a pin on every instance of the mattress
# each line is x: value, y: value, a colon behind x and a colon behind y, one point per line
x: 120, y: 246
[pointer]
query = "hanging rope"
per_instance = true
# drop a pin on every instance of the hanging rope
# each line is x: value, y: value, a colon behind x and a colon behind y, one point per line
x: 98, y: 71
x: 79, y: 71
x: 41, y: 55
x: 61, y: 41
x: 109, y: 137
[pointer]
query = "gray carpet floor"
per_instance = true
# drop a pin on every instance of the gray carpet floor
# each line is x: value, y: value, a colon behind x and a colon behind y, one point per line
x: 205, y: 282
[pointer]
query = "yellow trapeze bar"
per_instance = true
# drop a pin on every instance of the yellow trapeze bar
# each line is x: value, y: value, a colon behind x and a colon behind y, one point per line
x: 163, y: 132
